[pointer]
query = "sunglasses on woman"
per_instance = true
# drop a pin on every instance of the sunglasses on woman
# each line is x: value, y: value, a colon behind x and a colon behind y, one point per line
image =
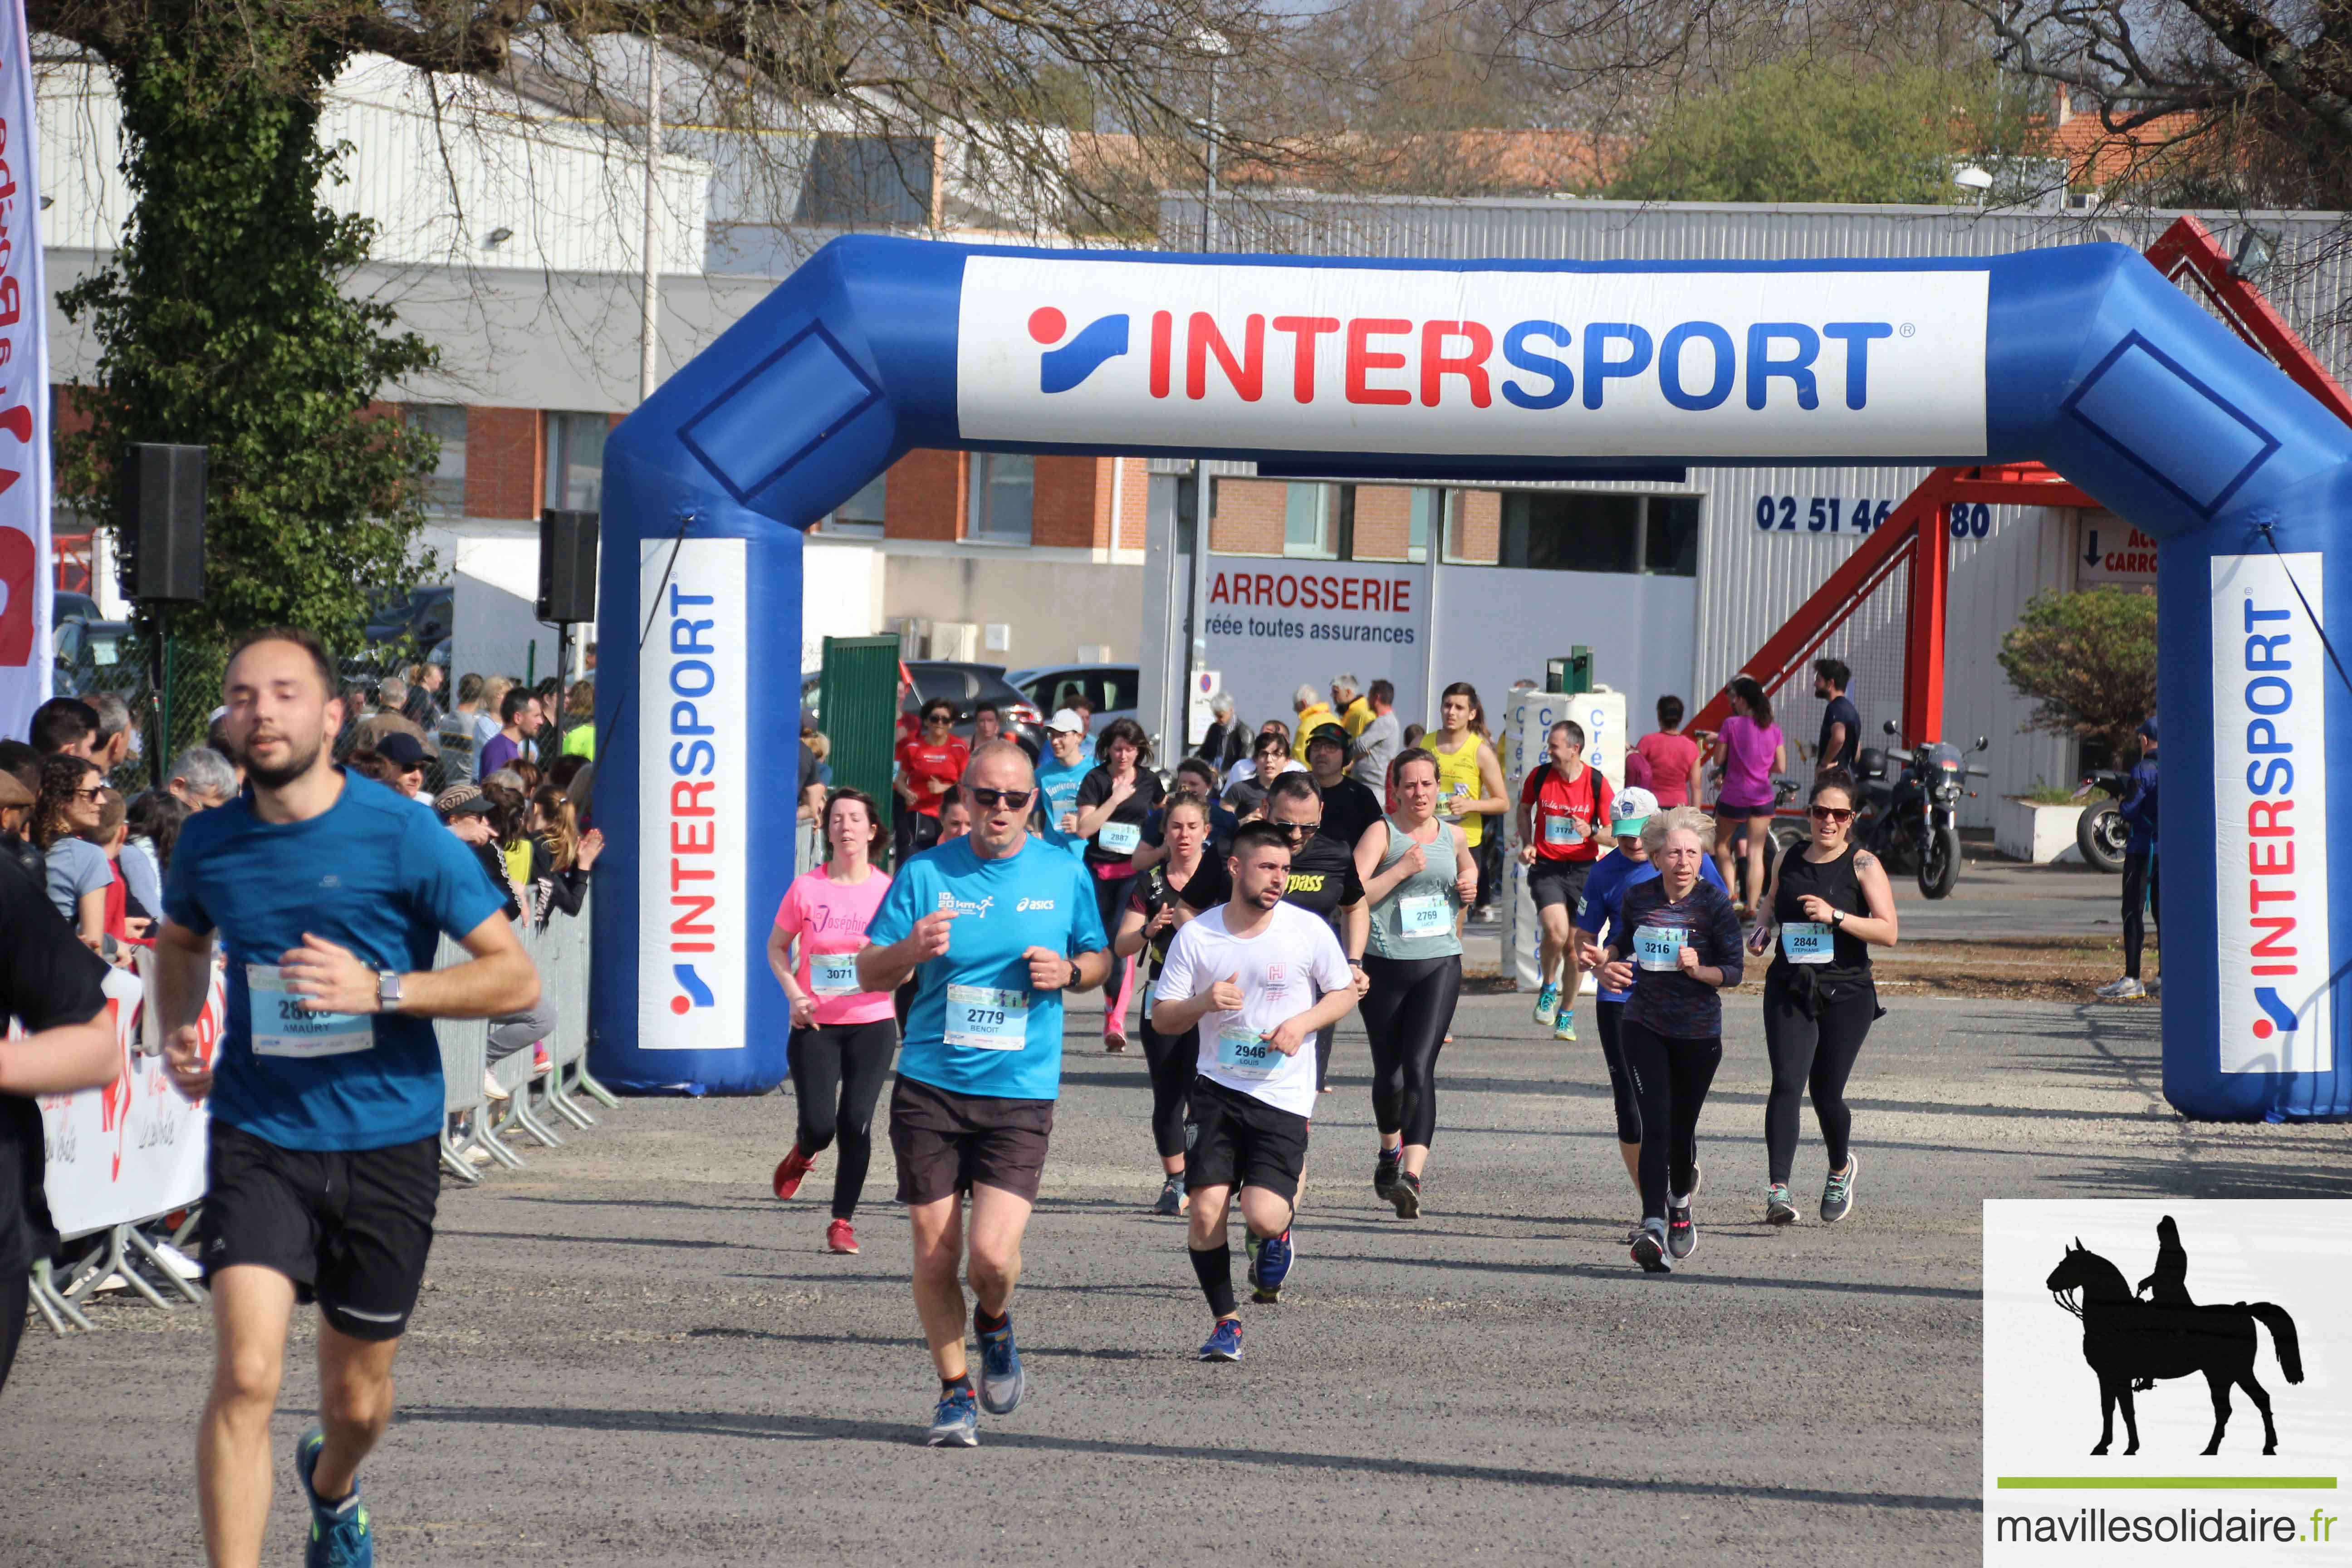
x: 1015, y: 798
x: 1833, y: 814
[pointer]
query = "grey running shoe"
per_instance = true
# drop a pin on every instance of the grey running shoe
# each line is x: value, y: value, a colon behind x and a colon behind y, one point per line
x: 1171, y: 1196
x: 1682, y: 1236
x: 1837, y: 1195
x: 1779, y: 1204
x: 956, y: 1422
x: 1650, y: 1248
x: 1406, y: 1195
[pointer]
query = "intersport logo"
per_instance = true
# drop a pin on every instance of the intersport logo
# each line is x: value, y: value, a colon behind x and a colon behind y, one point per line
x: 1476, y: 362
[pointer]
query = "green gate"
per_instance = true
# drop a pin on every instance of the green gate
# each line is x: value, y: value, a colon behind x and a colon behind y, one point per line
x: 857, y: 708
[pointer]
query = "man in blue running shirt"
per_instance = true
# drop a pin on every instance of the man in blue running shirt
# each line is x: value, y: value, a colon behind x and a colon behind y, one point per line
x: 995, y: 928
x: 330, y: 894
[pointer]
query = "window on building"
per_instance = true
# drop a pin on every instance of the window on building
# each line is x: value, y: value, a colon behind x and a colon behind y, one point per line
x: 1310, y: 522
x: 445, y: 487
x: 1670, y: 536
x: 1004, y: 494
x: 575, y: 461
x: 859, y: 516
x: 1428, y: 514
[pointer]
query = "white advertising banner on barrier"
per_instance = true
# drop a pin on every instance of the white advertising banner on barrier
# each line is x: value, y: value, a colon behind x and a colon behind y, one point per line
x: 25, y: 578
x: 2269, y: 814
x: 693, y: 781
x: 1274, y: 625
x: 134, y: 1149
x: 1490, y: 361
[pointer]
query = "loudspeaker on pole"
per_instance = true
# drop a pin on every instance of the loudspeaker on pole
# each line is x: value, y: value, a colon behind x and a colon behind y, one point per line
x: 162, y: 530
x: 567, y: 565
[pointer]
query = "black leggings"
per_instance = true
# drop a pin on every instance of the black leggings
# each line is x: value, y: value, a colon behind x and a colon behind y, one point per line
x: 1324, y: 1038
x: 837, y: 1073
x: 15, y: 1300
x: 1814, y: 1053
x: 2139, y: 891
x: 1629, y: 1114
x: 1175, y: 1062
x: 1406, y: 1014
x: 1670, y: 1083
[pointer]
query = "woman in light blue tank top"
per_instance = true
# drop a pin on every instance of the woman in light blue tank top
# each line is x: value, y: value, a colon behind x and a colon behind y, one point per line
x: 1418, y: 874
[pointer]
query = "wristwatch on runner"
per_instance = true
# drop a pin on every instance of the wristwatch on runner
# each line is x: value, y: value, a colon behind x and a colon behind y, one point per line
x: 1072, y: 982
x: 387, y: 991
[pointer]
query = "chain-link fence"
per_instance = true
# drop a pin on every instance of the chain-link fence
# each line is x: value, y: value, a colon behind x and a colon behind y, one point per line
x: 180, y: 710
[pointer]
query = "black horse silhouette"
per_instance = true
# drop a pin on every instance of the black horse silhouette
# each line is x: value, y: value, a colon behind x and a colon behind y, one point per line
x: 2124, y: 1338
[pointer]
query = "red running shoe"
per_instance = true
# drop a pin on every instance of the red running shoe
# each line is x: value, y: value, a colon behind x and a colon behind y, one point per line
x: 839, y: 1238
x: 788, y: 1172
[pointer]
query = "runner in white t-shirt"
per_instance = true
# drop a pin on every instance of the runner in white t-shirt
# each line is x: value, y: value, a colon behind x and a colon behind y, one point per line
x: 1259, y: 977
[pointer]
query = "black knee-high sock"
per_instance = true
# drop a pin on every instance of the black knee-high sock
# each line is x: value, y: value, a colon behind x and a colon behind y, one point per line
x: 1214, y: 1267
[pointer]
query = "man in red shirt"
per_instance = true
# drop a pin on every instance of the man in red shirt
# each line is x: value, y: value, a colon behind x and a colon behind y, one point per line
x: 930, y: 764
x: 1673, y: 757
x: 1563, y: 821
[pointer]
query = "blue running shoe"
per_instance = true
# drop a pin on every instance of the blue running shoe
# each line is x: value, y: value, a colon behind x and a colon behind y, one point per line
x: 339, y: 1534
x: 1001, y: 1383
x: 956, y: 1422
x: 1270, y: 1261
x: 1548, y: 1005
x: 1225, y: 1344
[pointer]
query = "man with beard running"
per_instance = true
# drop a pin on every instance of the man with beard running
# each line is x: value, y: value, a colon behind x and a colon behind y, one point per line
x: 995, y: 928
x: 331, y: 893
x: 1258, y: 978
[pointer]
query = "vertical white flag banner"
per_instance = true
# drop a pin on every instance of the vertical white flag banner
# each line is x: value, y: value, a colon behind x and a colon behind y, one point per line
x: 25, y: 557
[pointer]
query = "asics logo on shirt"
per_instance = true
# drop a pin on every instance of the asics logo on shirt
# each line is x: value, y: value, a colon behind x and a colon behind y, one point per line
x: 1027, y: 904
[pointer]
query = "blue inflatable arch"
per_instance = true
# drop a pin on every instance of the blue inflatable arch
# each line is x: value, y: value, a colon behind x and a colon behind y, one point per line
x: 2084, y: 358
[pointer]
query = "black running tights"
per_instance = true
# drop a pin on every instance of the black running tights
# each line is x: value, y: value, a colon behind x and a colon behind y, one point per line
x: 15, y: 1300
x: 1670, y: 1083
x: 1629, y: 1115
x: 1815, y: 1053
x: 837, y: 1073
x: 2139, y: 895
x: 1406, y: 1015
x: 1175, y: 1062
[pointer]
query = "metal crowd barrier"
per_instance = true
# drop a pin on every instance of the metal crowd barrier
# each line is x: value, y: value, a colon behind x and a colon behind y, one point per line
x: 535, y: 1103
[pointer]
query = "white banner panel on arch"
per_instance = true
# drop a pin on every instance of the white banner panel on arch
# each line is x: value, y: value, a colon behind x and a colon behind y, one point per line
x: 1308, y: 358
x: 24, y: 577
x: 1274, y: 625
x: 2270, y: 815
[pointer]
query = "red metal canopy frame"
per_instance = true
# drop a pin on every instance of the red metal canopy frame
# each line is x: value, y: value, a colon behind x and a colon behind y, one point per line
x: 1918, y: 531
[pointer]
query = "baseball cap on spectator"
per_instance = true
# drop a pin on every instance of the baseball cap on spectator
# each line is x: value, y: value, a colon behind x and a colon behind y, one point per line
x: 461, y: 800
x: 1334, y: 735
x: 1633, y: 806
x: 401, y: 749
x: 1066, y: 721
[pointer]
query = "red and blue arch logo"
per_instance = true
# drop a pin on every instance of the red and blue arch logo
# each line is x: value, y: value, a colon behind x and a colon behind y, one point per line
x: 2280, y: 1018
x: 696, y: 993
x: 1059, y: 369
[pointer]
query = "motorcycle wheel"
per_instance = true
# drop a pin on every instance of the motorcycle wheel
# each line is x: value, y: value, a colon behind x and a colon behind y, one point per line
x: 1940, y: 871
x: 2101, y: 835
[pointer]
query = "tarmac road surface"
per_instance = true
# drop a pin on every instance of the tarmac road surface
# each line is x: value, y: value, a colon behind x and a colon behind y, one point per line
x: 630, y: 1355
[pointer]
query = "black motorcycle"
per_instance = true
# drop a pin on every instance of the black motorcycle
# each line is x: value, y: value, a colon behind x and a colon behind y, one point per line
x: 1911, y: 820
x: 2102, y: 832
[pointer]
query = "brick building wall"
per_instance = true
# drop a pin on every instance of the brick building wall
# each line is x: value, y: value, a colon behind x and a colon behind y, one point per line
x: 1134, y: 501
x: 1248, y: 516
x: 923, y: 496
x: 506, y: 462
x: 1478, y: 538
x: 1062, y: 509
x: 1383, y: 522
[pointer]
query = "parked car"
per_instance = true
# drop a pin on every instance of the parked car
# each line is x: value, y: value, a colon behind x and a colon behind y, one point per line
x: 94, y: 655
x: 69, y: 607
x: 424, y: 618
x: 964, y: 685
x: 1112, y: 689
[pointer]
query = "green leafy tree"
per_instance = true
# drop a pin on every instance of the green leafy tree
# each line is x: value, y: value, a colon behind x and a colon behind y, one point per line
x: 220, y: 322
x: 1809, y: 130
x: 2087, y: 661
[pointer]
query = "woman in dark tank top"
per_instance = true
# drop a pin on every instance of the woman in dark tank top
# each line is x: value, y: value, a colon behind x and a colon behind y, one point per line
x: 1829, y: 904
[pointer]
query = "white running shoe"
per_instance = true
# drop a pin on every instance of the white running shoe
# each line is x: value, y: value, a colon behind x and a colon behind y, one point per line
x: 2123, y: 990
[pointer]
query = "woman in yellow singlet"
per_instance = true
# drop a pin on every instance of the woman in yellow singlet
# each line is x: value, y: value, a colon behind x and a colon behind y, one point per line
x: 1469, y: 774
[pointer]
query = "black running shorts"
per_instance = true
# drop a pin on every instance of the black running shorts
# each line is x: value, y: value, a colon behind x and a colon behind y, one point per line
x: 1235, y: 1139
x: 947, y: 1143
x: 350, y: 1229
x: 1553, y: 882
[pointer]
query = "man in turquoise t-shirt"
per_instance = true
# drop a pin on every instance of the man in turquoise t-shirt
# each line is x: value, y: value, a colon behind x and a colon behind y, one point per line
x: 1065, y: 766
x: 994, y: 929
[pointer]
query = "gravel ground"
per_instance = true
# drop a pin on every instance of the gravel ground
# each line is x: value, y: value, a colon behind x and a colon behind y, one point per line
x: 628, y: 1355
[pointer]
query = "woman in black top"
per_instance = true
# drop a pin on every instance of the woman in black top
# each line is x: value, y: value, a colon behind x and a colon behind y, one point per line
x: 1676, y: 945
x: 1192, y: 879
x: 1113, y: 800
x: 1829, y: 904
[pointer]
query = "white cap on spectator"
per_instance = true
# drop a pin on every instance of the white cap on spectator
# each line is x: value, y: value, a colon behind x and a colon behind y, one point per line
x: 1068, y: 721
x: 1633, y: 806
